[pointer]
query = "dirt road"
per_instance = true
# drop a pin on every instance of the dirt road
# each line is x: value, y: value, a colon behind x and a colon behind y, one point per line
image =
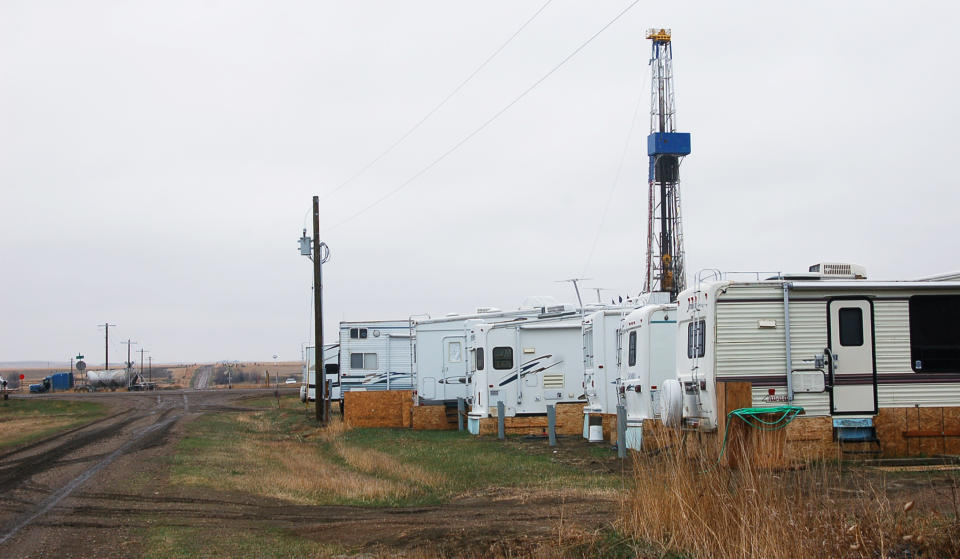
x: 204, y: 373
x: 96, y: 491
x: 52, y: 491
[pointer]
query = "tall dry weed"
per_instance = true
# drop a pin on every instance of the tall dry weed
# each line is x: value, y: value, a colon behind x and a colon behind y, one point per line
x: 693, y: 507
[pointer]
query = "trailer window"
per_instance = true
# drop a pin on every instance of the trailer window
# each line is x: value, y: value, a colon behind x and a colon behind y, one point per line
x: 366, y: 361
x: 632, y: 349
x: 851, y: 326
x: 363, y: 333
x: 354, y: 333
x: 696, y: 339
x: 935, y: 333
x: 479, y: 358
x: 502, y: 358
x: 453, y: 352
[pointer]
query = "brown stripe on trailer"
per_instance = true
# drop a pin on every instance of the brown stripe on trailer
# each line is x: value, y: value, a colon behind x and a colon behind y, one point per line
x: 882, y: 378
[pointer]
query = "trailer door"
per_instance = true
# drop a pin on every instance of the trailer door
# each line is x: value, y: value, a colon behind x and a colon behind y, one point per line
x: 853, y: 375
x: 454, y: 368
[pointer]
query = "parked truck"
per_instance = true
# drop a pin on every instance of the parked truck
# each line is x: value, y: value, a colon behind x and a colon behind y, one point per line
x: 53, y: 383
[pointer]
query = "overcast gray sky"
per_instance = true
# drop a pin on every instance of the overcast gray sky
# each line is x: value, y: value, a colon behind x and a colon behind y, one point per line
x: 157, y: 160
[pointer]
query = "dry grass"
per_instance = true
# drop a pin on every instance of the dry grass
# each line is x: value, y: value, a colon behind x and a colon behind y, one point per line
x: 691, y: 507
x: 290, y: 470
x: 23, y: 420
x: 19, y: 429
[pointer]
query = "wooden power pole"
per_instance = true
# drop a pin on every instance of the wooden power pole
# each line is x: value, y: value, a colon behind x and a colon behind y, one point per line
x: 319, y: 376
x: 106, y: 344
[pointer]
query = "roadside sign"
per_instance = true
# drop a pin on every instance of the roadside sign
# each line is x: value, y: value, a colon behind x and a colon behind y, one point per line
x: 21, y: 376
x: 81, y: 366
x: 79, y: 357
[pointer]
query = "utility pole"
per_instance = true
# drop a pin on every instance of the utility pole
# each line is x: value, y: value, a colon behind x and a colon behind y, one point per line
x: 106, y: 344
x: 150, y: 360
x: 321, y: 390
x: 142, y: 351
x: 318, y: 252
x: 128, y: 344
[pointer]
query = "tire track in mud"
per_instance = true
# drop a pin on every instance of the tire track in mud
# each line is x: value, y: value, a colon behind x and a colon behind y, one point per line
x: 12, y: 472
x: 151, y: 432
x: 46, y: 440
x: 19, y: 473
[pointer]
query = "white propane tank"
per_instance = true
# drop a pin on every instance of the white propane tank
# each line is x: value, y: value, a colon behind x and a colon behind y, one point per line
x: 671, y: 402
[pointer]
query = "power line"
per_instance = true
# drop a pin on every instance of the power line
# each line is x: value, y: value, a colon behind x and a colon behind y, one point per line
x: 486, y: 123
x: 437, y: 107
x: 616, y: 179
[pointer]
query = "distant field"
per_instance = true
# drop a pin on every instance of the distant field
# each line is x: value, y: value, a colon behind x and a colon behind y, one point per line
x: 220, y: 375
x: 179, y: 376
x: 22, y: 420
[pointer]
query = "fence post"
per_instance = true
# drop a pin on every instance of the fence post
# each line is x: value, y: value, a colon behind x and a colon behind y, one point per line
x: 460, y: 409
x: 552, y: 425
x: 501, y: 411
x: 621, y: 431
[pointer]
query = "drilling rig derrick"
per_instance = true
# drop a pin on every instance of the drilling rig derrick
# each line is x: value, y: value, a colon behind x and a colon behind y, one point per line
x: 666, y: 148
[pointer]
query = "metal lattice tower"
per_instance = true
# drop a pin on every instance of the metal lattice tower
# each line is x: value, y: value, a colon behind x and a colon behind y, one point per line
x: 666, y: 147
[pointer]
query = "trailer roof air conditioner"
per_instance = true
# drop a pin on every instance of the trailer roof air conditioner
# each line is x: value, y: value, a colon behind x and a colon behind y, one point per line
x: 839, y: 270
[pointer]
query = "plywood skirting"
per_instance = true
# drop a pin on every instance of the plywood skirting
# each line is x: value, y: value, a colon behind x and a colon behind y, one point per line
x: 388, y: 408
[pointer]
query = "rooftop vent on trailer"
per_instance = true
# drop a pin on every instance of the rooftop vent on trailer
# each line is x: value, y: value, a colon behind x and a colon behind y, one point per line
x: 839, y: 270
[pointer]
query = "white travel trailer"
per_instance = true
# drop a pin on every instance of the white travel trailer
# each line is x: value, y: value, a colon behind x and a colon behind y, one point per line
x: 600, y: 373
x: 439, y: 350
x: 647, y: 359
x: 524, y: 364
x: 331, y: 368
x: 375, y: 355
x: 836, y: 344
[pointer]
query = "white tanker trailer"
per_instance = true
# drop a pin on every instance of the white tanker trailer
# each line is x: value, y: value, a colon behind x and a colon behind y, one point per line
x: 112, y: 379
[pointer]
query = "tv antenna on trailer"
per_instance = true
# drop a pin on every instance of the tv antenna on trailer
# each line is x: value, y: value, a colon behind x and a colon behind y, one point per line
x: 576, y: 289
